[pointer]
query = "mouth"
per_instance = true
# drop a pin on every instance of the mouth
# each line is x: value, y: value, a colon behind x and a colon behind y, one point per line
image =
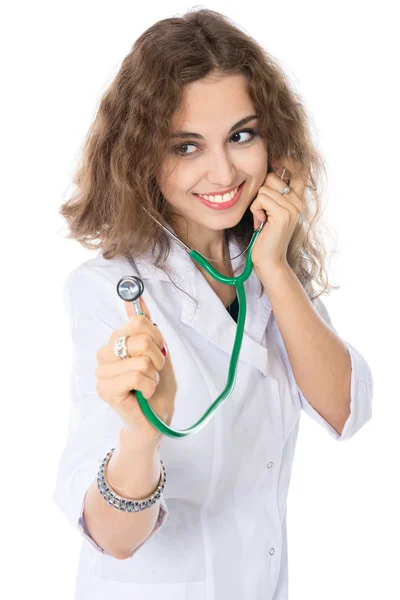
x: 220, y: 204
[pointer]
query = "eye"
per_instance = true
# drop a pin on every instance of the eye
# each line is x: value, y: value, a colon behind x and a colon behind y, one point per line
x: 177, y: 149
x: 252, y: 132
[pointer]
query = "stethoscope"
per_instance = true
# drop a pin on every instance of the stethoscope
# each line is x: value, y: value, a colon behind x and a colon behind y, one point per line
x: 130, y: 288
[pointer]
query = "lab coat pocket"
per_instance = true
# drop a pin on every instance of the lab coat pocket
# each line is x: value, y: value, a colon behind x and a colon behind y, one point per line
x: 108, y: 589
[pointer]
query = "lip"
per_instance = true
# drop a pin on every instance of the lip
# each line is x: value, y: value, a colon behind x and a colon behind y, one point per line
x: 220, y: 193
x: 223, y: 205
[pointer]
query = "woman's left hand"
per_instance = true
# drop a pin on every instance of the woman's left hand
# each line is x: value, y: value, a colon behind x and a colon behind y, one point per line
x: 283, y: 212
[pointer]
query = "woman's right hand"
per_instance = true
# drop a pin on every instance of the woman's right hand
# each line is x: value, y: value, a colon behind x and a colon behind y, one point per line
x: 147, y: 370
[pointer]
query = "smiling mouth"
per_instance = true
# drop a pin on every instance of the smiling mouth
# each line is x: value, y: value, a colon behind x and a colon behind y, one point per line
x: 221, y: 198
x: 221, y: 204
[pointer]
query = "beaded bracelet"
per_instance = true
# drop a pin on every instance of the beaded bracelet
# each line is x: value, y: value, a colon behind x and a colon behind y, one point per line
x: 126, y: 504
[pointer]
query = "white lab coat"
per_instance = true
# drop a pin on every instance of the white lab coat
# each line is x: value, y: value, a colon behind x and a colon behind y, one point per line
x: 221, y: 531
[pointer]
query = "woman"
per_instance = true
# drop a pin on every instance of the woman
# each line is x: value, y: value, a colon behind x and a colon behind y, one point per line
x: 198, y: 109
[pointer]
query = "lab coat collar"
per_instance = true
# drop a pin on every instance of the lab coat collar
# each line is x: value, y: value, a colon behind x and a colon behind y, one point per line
x: 209, y: 317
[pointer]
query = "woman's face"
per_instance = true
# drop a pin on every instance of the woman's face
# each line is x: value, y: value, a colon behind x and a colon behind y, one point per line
x: 217, y: 159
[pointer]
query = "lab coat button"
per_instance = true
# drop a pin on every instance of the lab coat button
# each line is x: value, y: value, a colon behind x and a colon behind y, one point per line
x: 272, y: 551
x: 269, y: 465
x: 264, y: 375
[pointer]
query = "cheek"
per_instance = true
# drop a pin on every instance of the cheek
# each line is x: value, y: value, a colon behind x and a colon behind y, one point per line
x: 177, y: 177
x: 255, y: 163
x: 175, y: 193
x: 169, y: 176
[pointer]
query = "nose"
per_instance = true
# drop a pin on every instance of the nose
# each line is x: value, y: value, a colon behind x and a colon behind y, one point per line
x: 221, y: 170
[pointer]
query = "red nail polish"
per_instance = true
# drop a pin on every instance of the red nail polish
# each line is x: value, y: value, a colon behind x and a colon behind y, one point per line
x: 164, y: 350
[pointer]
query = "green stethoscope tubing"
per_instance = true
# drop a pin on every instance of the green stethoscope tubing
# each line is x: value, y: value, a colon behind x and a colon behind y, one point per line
x: 238, y: 282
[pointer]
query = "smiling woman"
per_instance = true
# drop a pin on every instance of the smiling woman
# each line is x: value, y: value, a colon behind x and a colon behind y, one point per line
x: 128, y: 162
x: 202, y: 131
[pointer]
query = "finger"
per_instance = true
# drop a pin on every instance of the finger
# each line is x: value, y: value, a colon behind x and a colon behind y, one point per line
x: 259, y: 215
x: 138, y: 324
x: 131, y: 313
x: 138, y: 345
x: 142, y: 364
x: 288, y: 201
x: 275, y: 212
x: 133, y: 380
x: 257, y: 222
x: 298, y: 177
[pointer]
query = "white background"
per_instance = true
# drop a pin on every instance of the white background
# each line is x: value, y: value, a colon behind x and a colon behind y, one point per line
x: 57, y: 59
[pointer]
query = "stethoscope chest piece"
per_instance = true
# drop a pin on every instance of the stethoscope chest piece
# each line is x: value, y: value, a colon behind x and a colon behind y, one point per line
x: 130, y: 288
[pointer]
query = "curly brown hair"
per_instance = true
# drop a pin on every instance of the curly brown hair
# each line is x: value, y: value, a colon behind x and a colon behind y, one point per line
x: 128, y: 139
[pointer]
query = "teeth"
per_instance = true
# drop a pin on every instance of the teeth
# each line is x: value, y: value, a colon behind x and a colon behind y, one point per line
x: 219, y: 199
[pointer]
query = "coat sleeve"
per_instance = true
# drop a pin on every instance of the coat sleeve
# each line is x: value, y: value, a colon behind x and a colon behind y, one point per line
x: 361, y: 389
x: 93, y: 314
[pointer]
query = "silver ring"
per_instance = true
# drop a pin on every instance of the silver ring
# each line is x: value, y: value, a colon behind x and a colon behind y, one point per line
x: 120, y: 347
x: 285, y: 190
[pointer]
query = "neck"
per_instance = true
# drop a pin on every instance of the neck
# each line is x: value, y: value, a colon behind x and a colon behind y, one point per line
x: 216, y: 250
x: 210, y: 244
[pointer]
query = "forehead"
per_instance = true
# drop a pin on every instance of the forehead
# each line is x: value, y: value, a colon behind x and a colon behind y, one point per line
x: 210, y: 101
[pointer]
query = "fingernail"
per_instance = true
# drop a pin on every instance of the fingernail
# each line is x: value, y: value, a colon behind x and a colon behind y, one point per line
x: 164, y: 350
x: 155, y: 324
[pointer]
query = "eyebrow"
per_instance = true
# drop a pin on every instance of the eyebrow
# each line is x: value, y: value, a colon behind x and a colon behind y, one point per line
x: 187, y: 134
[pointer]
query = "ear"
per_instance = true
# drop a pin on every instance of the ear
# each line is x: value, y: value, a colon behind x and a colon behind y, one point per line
x: 277, y: 166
